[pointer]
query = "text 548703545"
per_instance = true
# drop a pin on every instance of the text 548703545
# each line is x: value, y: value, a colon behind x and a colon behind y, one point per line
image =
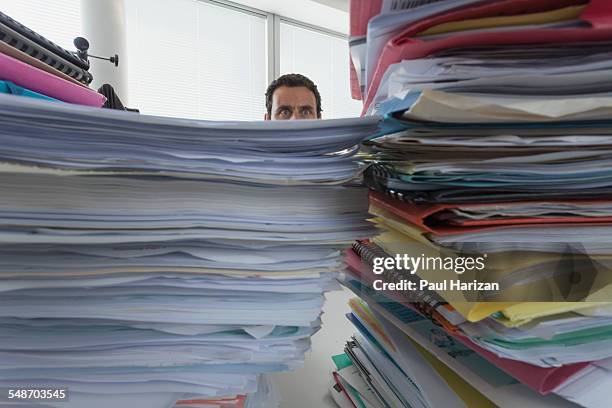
x: 35, y: 394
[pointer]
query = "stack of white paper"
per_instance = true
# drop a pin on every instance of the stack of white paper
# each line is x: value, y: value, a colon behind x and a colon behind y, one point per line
x: 149, y: 260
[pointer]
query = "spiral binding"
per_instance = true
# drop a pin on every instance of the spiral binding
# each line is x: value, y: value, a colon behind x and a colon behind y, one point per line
x: 425, y: 301
x: 368, y: 251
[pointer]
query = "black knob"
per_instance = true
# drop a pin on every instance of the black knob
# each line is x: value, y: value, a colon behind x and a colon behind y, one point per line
x: 81, y: 44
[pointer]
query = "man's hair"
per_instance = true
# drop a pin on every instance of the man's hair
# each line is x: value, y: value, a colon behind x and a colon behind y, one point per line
x: 292, y: 81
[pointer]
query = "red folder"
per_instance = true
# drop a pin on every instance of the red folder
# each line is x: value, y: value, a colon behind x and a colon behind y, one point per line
x: 405, y: 46
x: 541, y: 379
x: 341, y: 387
x: 426, y: 216
x: 355, y: 87
x: 361, y: 11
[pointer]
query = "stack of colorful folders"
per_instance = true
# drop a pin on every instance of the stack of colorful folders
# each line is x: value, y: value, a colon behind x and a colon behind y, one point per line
x: 497, y: 144
x: 146, y: 260
x: 31, y: 65
x: 477, y: 46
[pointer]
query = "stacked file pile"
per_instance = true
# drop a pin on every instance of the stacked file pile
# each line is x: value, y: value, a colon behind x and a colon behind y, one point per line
x: 498, y: 146
x: 31, y: 65
x: 146, y: 260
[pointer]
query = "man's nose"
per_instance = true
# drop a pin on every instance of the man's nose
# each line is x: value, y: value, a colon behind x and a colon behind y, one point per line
x: 296, y: 115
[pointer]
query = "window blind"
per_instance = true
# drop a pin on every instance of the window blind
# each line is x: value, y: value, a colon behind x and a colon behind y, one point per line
x: 324, y: 59
x: 194, y: 59
x: 58, y: 20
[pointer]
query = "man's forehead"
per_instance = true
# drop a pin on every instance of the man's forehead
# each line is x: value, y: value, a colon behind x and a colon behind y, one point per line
x: 293, y: 95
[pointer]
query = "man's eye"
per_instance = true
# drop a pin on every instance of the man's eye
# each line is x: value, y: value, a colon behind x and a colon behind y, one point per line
x: 306, y: 112
x: 285, y: 112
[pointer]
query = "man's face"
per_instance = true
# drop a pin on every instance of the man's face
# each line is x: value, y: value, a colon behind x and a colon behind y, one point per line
x: 293, y: 103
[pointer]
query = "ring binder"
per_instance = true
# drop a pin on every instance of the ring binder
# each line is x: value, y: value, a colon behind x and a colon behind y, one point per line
x: 425, y: 301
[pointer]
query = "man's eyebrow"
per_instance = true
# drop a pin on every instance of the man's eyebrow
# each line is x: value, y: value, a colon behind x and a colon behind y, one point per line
x: 307, y: 106
x: 284, y: 107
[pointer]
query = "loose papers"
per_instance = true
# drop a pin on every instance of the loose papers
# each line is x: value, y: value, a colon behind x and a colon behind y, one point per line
x: 166, y: 258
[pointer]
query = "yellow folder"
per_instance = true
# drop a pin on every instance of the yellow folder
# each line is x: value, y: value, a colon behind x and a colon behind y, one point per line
x: 547, y: 17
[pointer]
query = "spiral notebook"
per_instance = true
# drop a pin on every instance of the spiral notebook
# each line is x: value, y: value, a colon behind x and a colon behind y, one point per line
x: 429, y: 303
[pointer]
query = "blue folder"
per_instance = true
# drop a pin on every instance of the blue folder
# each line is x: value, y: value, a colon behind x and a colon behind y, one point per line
x: 8, y: 87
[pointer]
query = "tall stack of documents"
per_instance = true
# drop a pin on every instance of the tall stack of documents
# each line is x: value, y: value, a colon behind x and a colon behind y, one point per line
x: 33, y: 66
x: 496, y: 144
x: 146, y: 260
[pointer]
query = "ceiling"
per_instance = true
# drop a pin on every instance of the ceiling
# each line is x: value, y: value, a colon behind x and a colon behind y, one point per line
x: 337, y: 4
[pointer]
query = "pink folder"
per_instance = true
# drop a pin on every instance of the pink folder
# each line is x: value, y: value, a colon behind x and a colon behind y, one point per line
x: 541, y: 379
x: 37, y: 80
x: 405, y: 46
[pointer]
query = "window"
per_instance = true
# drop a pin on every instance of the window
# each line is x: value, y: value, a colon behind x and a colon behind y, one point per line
x: 207, y: 59
x: 324, y: 58
x: 57, y: 20
x: 194, y: 59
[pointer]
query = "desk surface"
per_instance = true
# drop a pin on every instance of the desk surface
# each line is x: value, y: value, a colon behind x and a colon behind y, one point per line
x: 309, y: 386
